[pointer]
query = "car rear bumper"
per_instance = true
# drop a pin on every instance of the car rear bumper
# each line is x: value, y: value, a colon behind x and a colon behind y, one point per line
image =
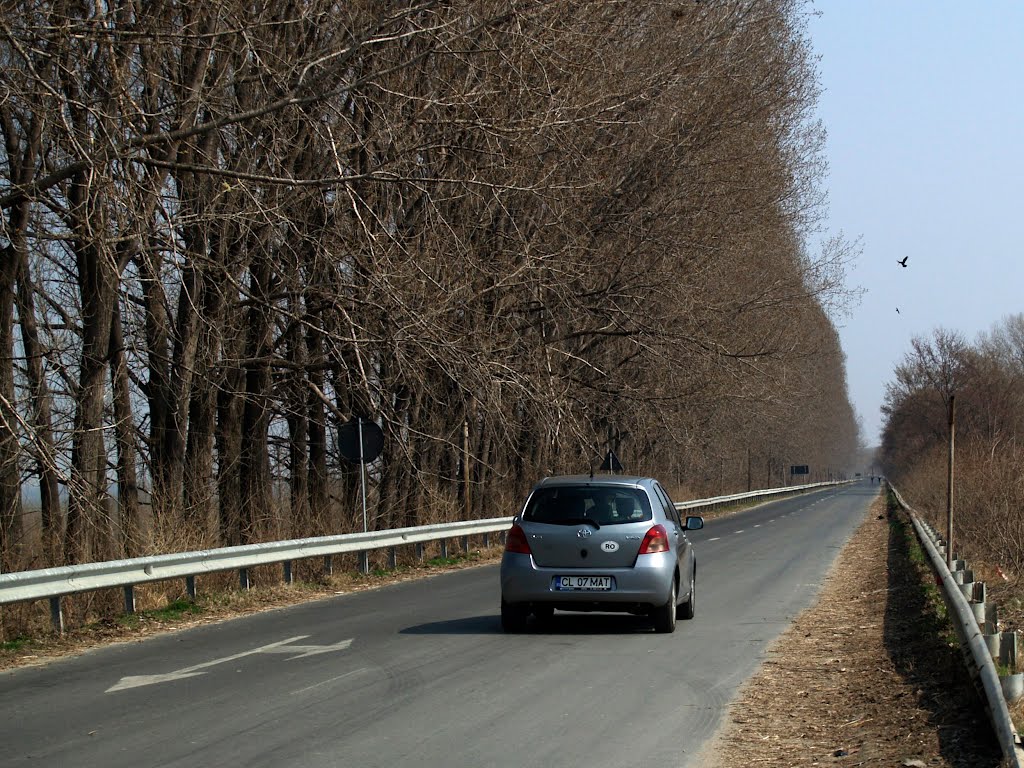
x: 648, y: 583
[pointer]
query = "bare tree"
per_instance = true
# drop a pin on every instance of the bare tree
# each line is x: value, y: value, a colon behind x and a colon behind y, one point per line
x: 514, y: 234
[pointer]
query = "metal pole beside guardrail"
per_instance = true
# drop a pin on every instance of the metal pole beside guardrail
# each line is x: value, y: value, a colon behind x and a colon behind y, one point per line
x: 980, y: 658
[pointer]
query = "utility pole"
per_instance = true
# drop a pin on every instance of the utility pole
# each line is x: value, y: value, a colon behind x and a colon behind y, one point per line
x: 466, y: 498
x: 949, y: 484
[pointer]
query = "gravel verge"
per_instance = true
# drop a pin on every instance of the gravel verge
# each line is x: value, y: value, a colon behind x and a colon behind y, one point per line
x: 871, y: 675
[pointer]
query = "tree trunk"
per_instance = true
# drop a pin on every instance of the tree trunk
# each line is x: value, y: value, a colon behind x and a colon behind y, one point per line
x: 97, y: 282
x: 180, y: 383
x: 298, y: 433
x: 43, y: 445
x: 255, y: 456
x: 158, y: 386
x: 229, y: 434
x: 348, y: 481
x: 199, y: 466
x: 198, y: 477
x: 319, y: 489
x: 129, y: 517
x: 11, y: 527
x: 198, y: 473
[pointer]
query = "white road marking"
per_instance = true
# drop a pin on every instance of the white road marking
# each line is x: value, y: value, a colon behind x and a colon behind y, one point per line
x: 715, y: 539
x: 309, y: 650
x: 300, y: 651
x: 332, y: 680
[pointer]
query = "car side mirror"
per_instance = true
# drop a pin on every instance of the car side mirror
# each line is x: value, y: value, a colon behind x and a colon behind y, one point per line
x: 694, y: 522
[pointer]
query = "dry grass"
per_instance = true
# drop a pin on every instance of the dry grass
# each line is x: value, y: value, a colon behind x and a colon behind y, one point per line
x: 865, y: 677
x: 1017, y: 714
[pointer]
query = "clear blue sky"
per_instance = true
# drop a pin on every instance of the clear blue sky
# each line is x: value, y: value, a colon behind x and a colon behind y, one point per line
x: 924, y: 106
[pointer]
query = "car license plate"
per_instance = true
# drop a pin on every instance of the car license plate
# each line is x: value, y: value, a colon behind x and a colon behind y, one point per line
x: 582, y: 583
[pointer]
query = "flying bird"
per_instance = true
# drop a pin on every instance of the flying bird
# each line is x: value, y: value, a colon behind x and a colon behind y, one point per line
x: 897, y: 310
x: 903, y: 262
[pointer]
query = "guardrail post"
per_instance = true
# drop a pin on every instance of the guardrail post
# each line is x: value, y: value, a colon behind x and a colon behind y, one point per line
x: 287, y: 566
x: 980, y: 593
x: 962, y: 575
x: 129, y: 599
x: 1008, y: 643
x: 419, y: 551
x: 56, y: 615
x: 190, y: 587
x: 974, y: 647
x: 487, y: 541
x: 992, y: 642
x: 328, y: 565
x: 364, y: 562
x: 444, y: 549
x: 243, y: 579
x: 465, y: 544
x: 1013, y: 686
x: 992, y: 617
x: 393, y: 558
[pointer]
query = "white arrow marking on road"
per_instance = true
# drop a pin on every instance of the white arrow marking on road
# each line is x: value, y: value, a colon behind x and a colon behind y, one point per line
x: 300, y: 651
x: 304, y: 651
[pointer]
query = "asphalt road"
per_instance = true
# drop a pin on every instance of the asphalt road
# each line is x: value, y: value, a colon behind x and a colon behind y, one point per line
x: 420, y: 674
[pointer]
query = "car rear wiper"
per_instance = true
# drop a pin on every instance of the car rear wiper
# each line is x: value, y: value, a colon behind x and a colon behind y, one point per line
x: 578, y: 521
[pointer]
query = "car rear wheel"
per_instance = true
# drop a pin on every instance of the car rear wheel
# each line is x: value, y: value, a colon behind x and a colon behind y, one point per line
x: 665, y: 615
x: 513, y: 617
x: 686, y: 609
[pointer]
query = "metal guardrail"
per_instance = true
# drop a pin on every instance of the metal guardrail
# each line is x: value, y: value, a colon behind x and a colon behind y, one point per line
x: 54, y: 583
x: 720, y: 501
x: 976, y: 652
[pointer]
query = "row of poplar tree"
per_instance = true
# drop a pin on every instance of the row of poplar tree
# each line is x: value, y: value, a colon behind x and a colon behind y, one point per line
x: 515, y: 234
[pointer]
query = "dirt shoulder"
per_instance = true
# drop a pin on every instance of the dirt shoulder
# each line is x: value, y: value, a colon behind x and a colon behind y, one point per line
x: 870, y: 675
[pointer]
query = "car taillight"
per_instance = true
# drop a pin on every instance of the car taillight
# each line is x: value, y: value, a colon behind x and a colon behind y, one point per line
x: 516, y: 541
x: 656, y: 540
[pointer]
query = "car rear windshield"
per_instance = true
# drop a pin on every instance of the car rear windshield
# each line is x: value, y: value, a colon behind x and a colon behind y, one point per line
x: 571, y: 505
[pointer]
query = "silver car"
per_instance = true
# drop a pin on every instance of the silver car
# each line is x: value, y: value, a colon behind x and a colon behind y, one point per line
x: 608, y: 543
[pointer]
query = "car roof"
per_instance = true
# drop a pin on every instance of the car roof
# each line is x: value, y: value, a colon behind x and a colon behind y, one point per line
x: 630, y: 481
